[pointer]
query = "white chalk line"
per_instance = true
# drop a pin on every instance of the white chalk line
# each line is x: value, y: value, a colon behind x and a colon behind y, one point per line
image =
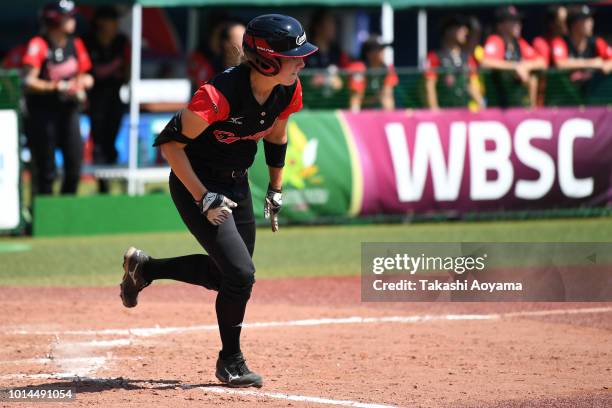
x: 51, y: 360
x: 88, y: 366
x: 99, y: 343
x: 55, y: 360
x: 42, y: 376
x: 216, y: 390
x: 300, y: 398
x: 70, y: 367
x: 159, y: 331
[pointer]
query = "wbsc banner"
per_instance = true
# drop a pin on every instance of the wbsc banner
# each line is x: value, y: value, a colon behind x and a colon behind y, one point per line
x: 456, y: 161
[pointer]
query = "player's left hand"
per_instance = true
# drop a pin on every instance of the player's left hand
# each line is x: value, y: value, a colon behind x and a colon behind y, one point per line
x: 272, y: 206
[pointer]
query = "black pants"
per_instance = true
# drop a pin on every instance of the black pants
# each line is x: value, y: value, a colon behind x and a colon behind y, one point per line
x: 47, y: 129
x: 105, y: 112
x: 228, y: 267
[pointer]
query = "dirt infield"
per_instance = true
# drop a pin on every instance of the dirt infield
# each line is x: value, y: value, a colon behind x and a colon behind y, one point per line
x: 315, y: 344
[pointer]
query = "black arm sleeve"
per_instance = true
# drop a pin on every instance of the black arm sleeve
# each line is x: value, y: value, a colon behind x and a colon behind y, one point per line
x: 172, y: 132
x: 275, y: 154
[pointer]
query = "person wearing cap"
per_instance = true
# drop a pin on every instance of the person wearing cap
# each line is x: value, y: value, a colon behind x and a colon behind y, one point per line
x: 371, y: 80
x: 450, y: 71
x: 580, y: 49
x: 210, y: 146
x: 110, y: 54
x: 56, y: 66
x: 512, y: 60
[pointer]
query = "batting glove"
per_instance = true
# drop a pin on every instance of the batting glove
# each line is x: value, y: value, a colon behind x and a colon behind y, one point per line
x: 216, y: 207
x: 272, y: 206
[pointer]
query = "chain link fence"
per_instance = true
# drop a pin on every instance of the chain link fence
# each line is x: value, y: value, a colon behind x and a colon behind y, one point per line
x: 10, y: 89
x: 323, y: 89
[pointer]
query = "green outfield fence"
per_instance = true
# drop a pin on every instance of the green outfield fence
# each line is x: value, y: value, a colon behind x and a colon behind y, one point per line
x: 10, y: 89
x: 556, y: 88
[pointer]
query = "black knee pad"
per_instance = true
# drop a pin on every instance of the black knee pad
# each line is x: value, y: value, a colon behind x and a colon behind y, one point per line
x: 238, y: 284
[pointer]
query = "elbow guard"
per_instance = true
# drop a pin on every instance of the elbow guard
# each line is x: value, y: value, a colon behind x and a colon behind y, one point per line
x: 172, y: 132
x: 275, y: 153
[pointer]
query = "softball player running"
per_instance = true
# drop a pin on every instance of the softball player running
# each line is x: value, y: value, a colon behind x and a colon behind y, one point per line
x: 210, y: 146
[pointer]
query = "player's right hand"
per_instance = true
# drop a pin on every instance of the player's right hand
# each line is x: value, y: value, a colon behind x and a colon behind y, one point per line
x: 216, y: 207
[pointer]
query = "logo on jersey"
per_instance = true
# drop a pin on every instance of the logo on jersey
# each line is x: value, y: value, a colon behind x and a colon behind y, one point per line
x: 224, y: 136
x: 301, y: 39
x: 236, y: 121
x: 33, y: 49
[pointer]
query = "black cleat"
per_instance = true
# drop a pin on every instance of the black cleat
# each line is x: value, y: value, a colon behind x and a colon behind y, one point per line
x: 234, y: 372
x: 133, y: 281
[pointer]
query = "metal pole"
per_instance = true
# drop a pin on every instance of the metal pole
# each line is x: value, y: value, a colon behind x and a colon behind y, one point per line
x: 193, y: 29
x: 386, y: 24
x: 134, y: 102
x: 422, y: 37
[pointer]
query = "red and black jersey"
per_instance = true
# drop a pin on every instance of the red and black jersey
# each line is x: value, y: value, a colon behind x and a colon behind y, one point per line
x: 14, y: 57
x: 55, y: 64
x: 201, y: 67
x: 596, y: 47
x: 236, y: 120
x: 454, y: 71
x: 514, y: 50
x: 543, y: 47
x: 448, y: 62
x: 563, y: 48
x: 369, y: 82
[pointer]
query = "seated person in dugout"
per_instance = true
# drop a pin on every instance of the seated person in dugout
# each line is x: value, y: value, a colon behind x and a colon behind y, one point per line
x: 512, y: 60
x: 371, y: 80
x: 580, y: 50
x: 450, y: 71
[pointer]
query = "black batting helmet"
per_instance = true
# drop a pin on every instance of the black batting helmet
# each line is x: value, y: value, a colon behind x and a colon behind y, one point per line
x: 271, y: 36
x: 53, y: 12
